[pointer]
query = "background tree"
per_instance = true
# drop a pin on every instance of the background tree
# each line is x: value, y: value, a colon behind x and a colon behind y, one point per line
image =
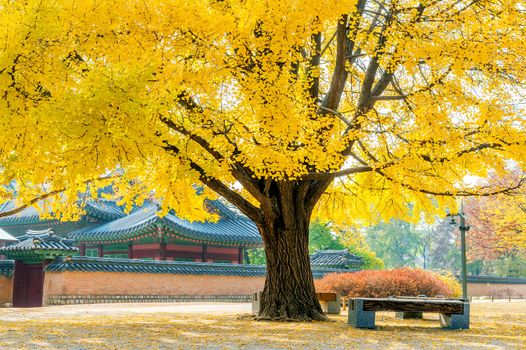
x: 255, y: 256
x: 397, y: 243
x: 497, y: 239
x: 288, y: 109
x: 436, y: 246
x: 321, y: 237
x: 407, y: 244
x: 499, y: 225
x: 444, y: 246
x: 354, y: 240
x: 326, y: 236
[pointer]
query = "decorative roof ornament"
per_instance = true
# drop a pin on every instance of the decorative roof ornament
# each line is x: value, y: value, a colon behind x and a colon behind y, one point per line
x: 37, y: 246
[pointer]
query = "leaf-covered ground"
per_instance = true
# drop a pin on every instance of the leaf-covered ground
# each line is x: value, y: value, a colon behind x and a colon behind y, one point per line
x: 498, y: 325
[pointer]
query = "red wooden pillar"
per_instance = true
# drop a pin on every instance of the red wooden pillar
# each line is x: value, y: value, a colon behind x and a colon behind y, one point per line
x: 203, y: 254
x: 240, y: 256
x: 101, y: 251
x: 130, y: 250
x: 162, y: 251
x: 83, y: 249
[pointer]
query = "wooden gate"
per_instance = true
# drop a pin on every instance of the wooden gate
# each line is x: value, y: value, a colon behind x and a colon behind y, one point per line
x: 28, y: 284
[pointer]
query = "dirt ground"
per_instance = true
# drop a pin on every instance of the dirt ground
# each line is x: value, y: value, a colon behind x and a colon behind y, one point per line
x: 494, y: 325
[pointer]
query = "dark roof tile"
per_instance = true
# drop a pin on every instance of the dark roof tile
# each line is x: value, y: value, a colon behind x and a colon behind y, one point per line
x: 335, y: 259
x: 40, y: 240
x: 231, y: 228
x: 102, y: 209
x: 77, y: 263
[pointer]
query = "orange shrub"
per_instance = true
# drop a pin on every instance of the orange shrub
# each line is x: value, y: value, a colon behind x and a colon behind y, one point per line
x: 385, y: 283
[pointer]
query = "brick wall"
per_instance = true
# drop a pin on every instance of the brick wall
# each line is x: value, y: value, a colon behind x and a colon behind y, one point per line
x: 500, y: 290
x: 6, y: 289
x: 84, y: 287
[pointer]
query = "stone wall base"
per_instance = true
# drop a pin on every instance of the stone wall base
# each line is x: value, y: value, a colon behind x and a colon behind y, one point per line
x: 103, y: 299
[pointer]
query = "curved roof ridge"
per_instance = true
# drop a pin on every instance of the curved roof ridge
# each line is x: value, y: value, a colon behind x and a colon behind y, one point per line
x: 99, y: 208
x: 76, y: 263
x: 43, y: 240
x: 231, y: 229
x: 238, y: 230
x: 138, y: 220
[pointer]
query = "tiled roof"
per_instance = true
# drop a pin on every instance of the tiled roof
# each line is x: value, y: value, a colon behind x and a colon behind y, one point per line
x: 102, y: 209
x: 42, y: 241
x: 496, y: 279
x: 6, y: 237
x: 231, y: 228
x: 7, y: 267
x: 27, y: 216
x: 77, y: 263
x: 335, y: 259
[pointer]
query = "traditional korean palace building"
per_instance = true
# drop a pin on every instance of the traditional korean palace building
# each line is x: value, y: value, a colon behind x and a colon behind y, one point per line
x: 111, y: 256
x: 45, y: 269
x: 106, y: 231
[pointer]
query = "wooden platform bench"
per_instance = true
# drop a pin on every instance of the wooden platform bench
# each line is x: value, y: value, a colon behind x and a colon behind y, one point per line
x: 330, y: 302
x: 454, y: 314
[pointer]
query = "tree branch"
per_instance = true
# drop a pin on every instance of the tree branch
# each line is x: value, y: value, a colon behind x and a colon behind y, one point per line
x: 219, y: 187
x: 349, y: 171
x: 389, y: 98
x: 314, y: 63
x: 339, y: 75
x: 198, y: 139
x: 46, y: 196
x: 238, y: 171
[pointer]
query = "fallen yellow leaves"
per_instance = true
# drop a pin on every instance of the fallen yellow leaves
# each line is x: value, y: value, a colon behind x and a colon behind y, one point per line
x: 499, y: 325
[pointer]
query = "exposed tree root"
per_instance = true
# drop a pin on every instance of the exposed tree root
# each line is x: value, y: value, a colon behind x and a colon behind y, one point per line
x: 314, y: 316
x: 247, y: 317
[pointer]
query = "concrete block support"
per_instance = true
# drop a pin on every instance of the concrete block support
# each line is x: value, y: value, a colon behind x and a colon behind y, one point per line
x: 358, y: 318
x: 456, y: 321
x: 332, y: 307
x: 256, y: 302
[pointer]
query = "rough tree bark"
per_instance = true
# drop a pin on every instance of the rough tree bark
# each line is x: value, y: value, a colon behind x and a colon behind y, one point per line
x: 289, y: 292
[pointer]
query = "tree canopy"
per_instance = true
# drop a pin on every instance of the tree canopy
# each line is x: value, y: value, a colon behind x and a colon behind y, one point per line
x: 351, y: 108
x: 405, y: 96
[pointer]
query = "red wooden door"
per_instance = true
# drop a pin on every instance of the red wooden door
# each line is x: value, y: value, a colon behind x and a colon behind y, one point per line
x: 28, y: 285
x: 35, y: 285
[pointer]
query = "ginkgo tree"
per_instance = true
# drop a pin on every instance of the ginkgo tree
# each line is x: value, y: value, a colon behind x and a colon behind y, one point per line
x: 288, y: 109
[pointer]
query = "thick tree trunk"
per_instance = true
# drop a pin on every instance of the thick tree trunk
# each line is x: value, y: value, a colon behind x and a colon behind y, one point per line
x: 289, y: 292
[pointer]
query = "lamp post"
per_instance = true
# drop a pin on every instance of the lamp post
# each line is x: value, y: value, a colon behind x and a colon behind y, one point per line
x: 463, y: 229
